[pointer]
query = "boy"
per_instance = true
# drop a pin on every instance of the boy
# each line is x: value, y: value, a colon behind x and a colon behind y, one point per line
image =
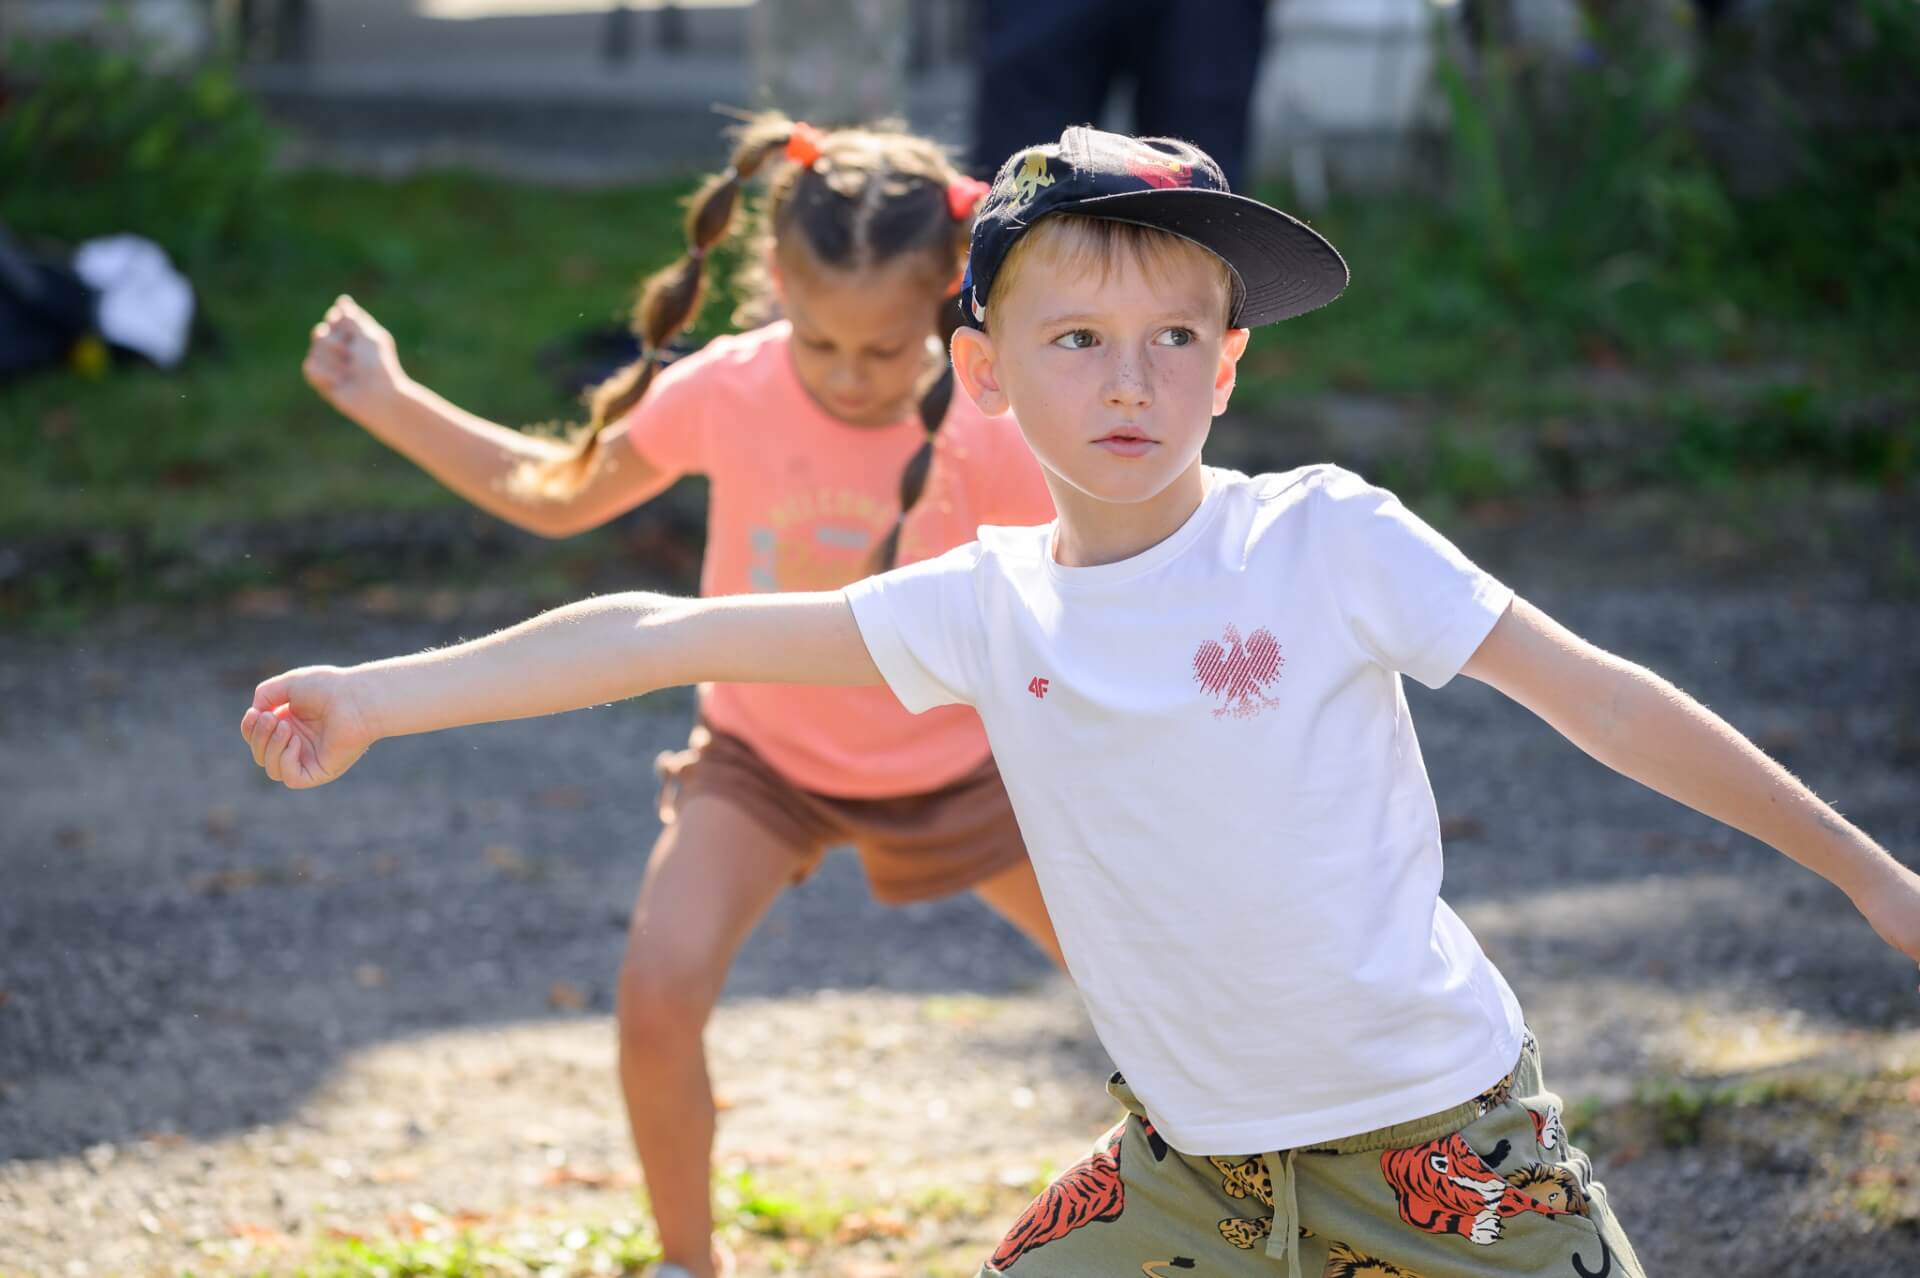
x: 1191, y: 681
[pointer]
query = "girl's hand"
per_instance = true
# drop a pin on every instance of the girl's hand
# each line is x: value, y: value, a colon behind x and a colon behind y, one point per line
x: 1892, y: 906
x: 307, y: 726
x: 351, y: 360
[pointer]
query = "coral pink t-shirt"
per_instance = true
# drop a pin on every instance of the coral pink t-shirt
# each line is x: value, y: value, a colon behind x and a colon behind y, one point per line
x: 797, y: 500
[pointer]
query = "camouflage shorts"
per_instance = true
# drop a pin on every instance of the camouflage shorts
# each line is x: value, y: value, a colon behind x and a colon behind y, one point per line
x: 1490, y: 1187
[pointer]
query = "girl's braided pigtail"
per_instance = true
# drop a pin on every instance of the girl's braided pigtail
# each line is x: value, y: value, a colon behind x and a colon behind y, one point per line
x: 933, y: 411
x: 963, y: 196
x: 669, y: 301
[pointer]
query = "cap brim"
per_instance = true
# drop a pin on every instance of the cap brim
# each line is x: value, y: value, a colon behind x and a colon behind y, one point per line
x: 1286, y: 268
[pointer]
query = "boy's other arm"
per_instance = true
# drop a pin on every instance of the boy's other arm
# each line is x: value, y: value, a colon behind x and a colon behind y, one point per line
x: 308, y: 726
x: 1643, y: 727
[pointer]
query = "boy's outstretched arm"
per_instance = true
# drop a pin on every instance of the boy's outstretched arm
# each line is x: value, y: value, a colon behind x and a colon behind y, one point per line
x: 1643, y: 727
x: 308, y: 726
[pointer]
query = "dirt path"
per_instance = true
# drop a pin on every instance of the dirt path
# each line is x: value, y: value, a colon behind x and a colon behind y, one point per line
x: 235, y: 1021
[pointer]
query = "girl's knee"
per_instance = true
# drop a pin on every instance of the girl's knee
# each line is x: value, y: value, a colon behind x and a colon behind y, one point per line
x: 663, y: 994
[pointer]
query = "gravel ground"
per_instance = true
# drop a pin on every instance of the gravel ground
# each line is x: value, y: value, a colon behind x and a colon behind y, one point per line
x: 234, y: 1019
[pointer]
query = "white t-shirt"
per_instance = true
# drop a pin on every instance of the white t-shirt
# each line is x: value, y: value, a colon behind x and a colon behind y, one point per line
x: 1209, y: 753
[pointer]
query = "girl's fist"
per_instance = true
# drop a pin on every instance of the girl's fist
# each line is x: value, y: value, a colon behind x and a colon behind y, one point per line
x: 351, y: 359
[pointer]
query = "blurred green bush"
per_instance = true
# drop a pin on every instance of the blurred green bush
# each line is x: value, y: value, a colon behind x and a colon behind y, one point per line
x: 94, y: 142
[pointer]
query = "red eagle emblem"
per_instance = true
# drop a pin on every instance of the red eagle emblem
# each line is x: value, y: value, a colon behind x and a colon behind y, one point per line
x: 1238, y: 672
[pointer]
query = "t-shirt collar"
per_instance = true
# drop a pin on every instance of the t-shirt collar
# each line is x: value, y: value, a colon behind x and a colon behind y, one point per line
x: 1153, y: 557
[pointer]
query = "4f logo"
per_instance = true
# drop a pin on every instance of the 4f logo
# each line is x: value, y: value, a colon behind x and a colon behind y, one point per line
x: 1038, y: 687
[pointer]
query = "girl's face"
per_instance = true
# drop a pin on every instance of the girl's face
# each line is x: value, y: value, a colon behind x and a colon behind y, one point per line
x: 861, y: 339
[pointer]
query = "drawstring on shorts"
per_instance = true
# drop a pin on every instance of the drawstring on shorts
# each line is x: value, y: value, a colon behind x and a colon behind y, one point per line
x: 1283, y: 1243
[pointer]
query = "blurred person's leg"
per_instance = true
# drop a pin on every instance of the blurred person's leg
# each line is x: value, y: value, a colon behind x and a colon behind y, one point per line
x: 1193, y: 65
x: 1039, y: 66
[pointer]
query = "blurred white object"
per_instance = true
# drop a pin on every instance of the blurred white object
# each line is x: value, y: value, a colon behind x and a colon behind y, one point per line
x: 1344, y: 83
x: 145, y: 305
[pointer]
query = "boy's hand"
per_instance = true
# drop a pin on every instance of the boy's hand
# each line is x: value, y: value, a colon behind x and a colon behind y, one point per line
x: 1892, y: 906
x: 307, y: 726
x: 351, y: 360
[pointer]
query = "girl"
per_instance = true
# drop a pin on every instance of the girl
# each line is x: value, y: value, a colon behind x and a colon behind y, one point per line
x: 833, y: 445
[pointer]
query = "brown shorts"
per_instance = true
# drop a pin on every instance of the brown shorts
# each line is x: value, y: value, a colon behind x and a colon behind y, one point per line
x: 915, y: 847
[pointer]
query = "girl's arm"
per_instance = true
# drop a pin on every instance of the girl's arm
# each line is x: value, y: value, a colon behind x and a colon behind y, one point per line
x: 1643, y: 727
x: 352, y: 361
x: 308, y: 726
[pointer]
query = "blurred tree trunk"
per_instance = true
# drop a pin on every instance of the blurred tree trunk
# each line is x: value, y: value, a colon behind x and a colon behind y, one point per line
x: 831, y: 61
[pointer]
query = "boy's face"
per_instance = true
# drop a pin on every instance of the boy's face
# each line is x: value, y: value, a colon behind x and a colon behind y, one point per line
x: 1115, y: 375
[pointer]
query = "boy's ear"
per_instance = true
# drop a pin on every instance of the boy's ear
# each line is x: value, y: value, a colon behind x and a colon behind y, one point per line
x: 1232, y: 347
x: 974, y: 364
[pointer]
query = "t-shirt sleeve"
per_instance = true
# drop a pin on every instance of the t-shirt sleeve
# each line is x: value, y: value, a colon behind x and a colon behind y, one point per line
x: 922, y: 627
x: 668, y: 427
x: 1410, y: 599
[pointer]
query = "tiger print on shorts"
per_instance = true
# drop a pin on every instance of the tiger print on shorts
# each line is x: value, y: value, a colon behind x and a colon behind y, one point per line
x: 1443, y: 1187
x: 1086, y: 1193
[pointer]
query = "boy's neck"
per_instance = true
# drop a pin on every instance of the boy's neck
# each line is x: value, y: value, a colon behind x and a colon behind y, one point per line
x: 1091, y: 532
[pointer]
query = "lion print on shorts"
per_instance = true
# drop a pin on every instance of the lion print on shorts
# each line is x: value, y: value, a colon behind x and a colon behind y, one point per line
x: 1552, y: 1185
x: 1344, y: 1262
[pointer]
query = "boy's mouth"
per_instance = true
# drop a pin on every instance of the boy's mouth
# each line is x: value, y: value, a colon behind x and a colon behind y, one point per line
x: 1126, y: 441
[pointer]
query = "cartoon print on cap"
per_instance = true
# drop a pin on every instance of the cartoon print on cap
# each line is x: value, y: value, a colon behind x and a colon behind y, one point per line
x: 1158, y: 169
x: 1032, y: 176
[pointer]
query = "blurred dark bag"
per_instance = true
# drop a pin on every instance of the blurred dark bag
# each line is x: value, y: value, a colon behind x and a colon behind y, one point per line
x: 45, y: 307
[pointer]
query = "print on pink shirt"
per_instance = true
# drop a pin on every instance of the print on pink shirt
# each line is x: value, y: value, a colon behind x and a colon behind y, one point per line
x: 816, y: 540
x: 1239, y: 671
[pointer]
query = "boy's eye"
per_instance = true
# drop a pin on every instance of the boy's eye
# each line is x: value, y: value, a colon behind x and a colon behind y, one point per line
x: 1078, y: 340
x: 1177, y: 337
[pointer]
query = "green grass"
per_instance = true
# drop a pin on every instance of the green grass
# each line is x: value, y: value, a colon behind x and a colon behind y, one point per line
x: 618, y: 1249
x: 939, y: 1231
x: 472, y: 276
x: 1761, y: 365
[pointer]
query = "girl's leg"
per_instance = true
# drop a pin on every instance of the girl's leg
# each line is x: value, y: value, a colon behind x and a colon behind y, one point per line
x: 1015, y: 895
x: 713, y: 874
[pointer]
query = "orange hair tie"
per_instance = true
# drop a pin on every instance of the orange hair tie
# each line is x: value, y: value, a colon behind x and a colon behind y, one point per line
x: 963, y: 194
x: 803, y: 144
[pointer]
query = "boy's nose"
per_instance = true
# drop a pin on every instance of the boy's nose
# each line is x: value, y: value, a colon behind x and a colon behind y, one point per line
x: 1127, y: 386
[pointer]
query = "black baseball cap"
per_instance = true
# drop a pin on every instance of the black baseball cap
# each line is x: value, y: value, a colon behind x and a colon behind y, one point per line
x: 1280, y: 266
